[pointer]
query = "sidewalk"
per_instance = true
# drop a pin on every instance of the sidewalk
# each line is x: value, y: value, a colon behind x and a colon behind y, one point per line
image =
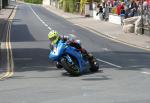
x: 4, y: 15
x: 106, y: 29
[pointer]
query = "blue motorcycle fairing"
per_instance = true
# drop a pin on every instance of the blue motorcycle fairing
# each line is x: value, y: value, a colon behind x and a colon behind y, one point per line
x: 57, y: 51
x: 83, y: 62
x: 62, y: 49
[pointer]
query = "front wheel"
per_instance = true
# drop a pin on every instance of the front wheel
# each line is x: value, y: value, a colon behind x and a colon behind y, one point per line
x: 58, y: 65
x: 94, y: 65
x: 73, y: 69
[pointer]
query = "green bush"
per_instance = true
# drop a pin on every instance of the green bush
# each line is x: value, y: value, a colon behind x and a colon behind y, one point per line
x: 34, y: 1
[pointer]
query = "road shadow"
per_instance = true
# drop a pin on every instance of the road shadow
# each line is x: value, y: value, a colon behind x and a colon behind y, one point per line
x: 89, y: 73
x: 36, y: 59
x: 32, y: 59
x: 21, y: 33
x: 3, y: 23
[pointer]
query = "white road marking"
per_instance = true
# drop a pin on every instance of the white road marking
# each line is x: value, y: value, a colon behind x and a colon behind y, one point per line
x: 106, y: 49
x: 49, y: 28
x: 46, y: 25
x: 146, y: 73
x: 109, y: 63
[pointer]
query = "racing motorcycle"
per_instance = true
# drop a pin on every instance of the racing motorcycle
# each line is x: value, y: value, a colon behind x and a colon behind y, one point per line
x: 72, y: 60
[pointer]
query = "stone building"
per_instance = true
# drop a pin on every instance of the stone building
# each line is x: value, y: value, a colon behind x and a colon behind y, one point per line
x: 3, y: 3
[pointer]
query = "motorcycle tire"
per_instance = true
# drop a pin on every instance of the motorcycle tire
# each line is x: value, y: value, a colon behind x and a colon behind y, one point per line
x: 94, y: 65
x: 58, y: 65
x: 72, y: 69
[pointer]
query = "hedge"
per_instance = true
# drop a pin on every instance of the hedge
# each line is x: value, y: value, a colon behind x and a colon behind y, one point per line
x: 34, y: 1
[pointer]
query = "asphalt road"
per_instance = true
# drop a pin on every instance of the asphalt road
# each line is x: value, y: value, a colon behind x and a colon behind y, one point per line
x: 126, y: 76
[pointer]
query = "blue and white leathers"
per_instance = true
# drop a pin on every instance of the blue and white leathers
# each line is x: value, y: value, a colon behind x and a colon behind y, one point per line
x: 64, y: 50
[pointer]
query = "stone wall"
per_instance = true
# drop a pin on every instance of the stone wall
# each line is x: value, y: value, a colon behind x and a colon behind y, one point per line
x: 134, y: 25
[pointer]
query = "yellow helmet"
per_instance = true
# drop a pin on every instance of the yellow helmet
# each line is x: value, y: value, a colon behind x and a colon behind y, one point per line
x: 53, y: 37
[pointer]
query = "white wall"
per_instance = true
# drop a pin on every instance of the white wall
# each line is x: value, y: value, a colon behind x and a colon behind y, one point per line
x: 115, y: 19
x: 46, y: 2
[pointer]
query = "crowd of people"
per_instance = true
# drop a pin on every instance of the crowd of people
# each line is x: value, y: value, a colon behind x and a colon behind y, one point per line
x: 127, y: 8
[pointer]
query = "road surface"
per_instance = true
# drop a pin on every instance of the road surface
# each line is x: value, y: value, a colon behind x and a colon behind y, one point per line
x: 35, y: 79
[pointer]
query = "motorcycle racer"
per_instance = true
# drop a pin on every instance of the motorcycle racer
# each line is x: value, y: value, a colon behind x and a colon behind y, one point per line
x: 54, y: 38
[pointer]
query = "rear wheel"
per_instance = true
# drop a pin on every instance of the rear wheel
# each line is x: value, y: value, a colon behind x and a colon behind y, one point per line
x: 73, y: 69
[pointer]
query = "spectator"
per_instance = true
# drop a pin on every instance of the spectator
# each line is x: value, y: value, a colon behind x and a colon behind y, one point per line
x: 115, y: 3
x: 133, y: 9
x: 100, y: 9
x: 122, y: 8
x: 139, y: 9
x: 145, y: 5
x: 119, y: 8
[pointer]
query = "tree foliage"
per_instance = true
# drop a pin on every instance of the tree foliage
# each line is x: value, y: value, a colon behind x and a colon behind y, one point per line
x: 68, y: 5
x: 34, y: 1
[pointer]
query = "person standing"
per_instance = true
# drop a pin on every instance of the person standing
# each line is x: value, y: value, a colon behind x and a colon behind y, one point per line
x: 133, y: 8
